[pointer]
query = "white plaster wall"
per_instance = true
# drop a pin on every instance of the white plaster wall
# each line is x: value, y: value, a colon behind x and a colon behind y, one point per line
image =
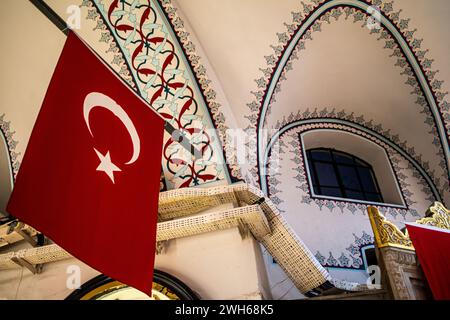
x: 218, y: 265
x: 27, y: 64
x: 346, y: 68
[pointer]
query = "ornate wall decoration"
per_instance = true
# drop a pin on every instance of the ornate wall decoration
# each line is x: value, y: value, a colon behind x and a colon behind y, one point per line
x: 162, y: 183
x: 403, y: 273
x: 430, y: 100
x: 5, y: 130
x: 386, y: 233
x: 157, y: 59
x: 352, y: 258
x: 402, y: 169
x: 440, y: 217
x: 209, y: 93
x: 334, y: 113
x: 406, y: 48
x: 332, y: 118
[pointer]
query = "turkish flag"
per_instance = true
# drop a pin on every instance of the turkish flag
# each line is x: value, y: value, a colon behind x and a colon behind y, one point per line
x: 433, y: 250
x: 89, y: 179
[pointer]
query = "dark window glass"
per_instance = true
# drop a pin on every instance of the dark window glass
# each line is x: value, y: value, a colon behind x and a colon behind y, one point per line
x: 355, y: 195
x: 371, y: 257
x: 375, y: 197
x: 326, y: 175
x: 361, y: 163
x: 316, y: 189
x: 323, y: 155
x: 343, y: 158
x: 339, y: 174
x: 313, y: 176
x: 349, y: 177
x: 332, y: 192
x: 367, y: 179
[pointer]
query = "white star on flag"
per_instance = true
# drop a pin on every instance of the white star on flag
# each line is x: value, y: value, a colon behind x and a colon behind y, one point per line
x: 106, y: 165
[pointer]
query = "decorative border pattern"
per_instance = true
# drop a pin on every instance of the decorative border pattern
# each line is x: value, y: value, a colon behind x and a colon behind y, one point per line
x: 150, y: 45
x: 209, y: 94
x: 274, y: 179
x: 11, y: 144
x: 336, y: 10
x: 352, y: 259
x: 353, y: 207
x: 358, y: 121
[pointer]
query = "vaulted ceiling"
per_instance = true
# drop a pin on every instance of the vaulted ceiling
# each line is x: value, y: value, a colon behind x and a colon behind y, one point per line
x: 273, y: 62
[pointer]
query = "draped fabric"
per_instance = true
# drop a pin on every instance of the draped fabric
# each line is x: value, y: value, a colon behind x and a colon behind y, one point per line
x: 90, y: 176
x: 433, y: 251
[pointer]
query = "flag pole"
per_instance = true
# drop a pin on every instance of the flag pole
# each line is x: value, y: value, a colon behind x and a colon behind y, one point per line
x: 176, y: 135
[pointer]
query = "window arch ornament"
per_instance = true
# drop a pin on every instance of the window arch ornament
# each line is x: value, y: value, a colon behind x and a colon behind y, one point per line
x: 394, y: 31
x: 350, y: 126
x: 396, y: 155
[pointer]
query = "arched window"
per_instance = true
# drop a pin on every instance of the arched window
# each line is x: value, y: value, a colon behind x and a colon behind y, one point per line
x: 342, y: 175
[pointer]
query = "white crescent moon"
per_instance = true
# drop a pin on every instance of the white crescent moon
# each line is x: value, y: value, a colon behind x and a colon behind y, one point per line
x: 96, y: 99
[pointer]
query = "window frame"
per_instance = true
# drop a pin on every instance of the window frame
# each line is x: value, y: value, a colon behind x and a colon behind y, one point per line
x: 364, y: 250
x: 310, y: 165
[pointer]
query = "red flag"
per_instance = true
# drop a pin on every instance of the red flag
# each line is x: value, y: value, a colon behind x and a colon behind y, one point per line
x: 89, y: 179
x: 433, y: 250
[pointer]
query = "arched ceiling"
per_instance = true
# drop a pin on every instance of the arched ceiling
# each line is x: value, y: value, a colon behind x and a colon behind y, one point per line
x: 342, y: 73
x: 338, y: 64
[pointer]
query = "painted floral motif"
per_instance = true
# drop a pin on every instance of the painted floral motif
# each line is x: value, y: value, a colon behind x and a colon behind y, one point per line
x: 274, y: 178
x: 352, y: 258
x: 150, y: 58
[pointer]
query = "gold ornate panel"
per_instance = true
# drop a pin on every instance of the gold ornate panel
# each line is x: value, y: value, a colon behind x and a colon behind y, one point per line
x: 440, y: 217
x: 388, y: 234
